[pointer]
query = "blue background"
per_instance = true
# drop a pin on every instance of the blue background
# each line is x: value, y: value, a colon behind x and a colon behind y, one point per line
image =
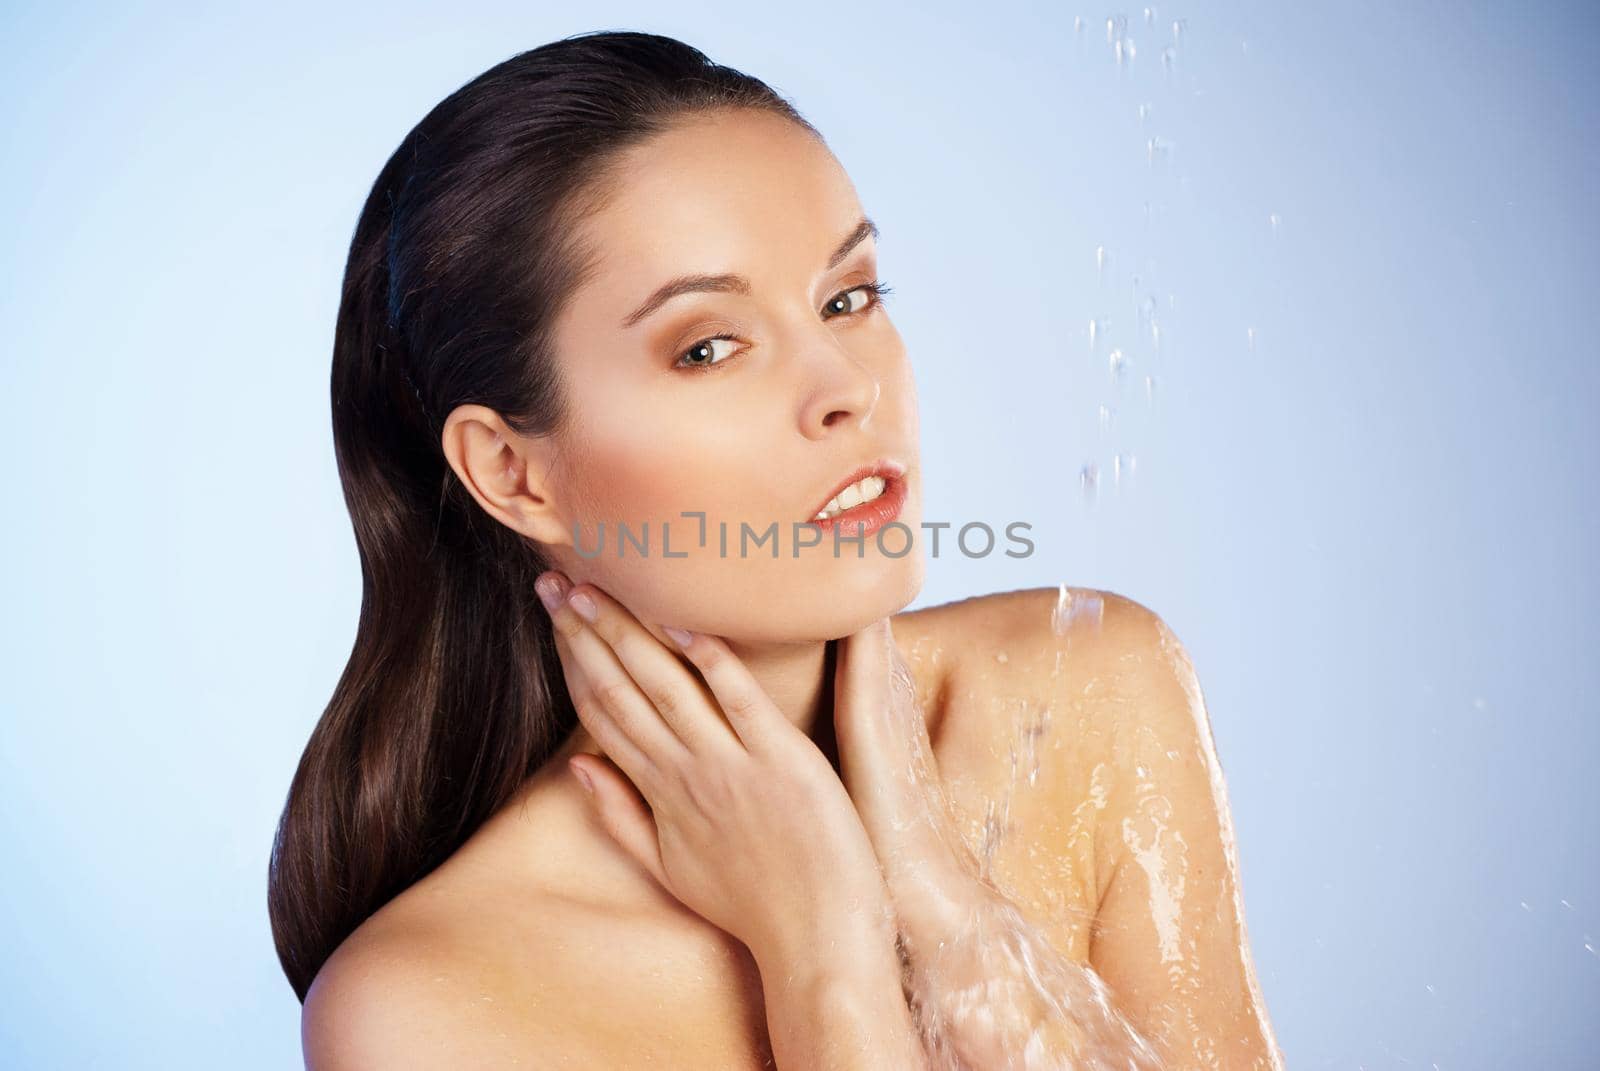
x: 1359, y: 490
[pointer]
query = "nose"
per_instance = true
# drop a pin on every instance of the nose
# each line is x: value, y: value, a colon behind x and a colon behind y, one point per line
x: 840, y: 389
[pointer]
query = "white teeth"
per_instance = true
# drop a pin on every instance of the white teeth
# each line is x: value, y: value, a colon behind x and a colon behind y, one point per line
x: 864, y: 490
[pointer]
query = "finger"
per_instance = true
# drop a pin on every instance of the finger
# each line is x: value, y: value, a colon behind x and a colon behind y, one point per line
x: 750, y: 710
x: 672, y: 688
x: 609, y: 694
x: 595, y: 719
x: 624, y: 814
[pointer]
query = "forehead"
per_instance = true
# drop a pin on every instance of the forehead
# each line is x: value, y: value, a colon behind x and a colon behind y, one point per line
x: 738, y: 191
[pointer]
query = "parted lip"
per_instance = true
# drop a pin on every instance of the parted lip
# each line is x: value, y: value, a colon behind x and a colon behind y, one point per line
x: 887, y: 467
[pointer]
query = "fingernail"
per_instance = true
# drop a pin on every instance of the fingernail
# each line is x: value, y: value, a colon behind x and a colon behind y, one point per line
x: 549, y: 588
x: 583, y: 778
x: 679, y: 636
x: 585, y: 606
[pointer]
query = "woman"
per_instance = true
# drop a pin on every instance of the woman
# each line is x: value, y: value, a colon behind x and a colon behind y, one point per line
x: 575, y: 800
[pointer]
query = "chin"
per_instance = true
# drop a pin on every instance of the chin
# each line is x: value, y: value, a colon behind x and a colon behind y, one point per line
x: 866, y: 595
x: 796, y: 608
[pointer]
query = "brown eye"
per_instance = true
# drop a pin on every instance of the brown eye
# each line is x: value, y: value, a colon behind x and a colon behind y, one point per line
x: 841, y: 305
x: 703, y: 354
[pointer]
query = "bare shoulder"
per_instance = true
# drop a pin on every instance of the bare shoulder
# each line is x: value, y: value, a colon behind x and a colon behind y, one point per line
x: 462, y: 972
x: 381, y: 1003
x: 1053, y: 645
x: 1032, y: 616
x: 1105, y: 668
x: 402, y: 992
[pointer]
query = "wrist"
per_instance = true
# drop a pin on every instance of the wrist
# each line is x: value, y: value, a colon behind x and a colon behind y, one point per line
x: 934, y: 905
x: 858, y: 945
x: 841, y: 1007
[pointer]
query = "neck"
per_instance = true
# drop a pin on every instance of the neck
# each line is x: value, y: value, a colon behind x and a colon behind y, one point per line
x: 797, y: 677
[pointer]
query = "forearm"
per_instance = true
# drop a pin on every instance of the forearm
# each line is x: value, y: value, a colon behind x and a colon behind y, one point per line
x: 990, y: 992
x: 840, y: 1004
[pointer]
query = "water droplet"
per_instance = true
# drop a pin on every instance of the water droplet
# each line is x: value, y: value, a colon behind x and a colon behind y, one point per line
x: 1000, y: 656
x: 1106, y: 413
x: 1088, y: 478
x: 1074, y: 607
x: 1274, y: 219
x: 1144, y: 113
x: 1525, y: 906
x: 1100, y: 261
x: 1178, y: 26
x: 1250, y: 337
x: 1118, y: 365
x: 1150, y: 389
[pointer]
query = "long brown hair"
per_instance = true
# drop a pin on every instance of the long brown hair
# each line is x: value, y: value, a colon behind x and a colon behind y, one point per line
x: 461, y: 260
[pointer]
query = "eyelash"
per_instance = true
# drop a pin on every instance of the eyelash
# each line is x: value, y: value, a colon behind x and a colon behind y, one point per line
x: 877, y: 288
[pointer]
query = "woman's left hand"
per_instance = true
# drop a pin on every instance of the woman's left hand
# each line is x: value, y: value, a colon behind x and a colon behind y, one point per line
x: 886, y: 763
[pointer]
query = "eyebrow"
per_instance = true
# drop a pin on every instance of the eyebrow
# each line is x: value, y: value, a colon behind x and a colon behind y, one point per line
x: 736, y: 284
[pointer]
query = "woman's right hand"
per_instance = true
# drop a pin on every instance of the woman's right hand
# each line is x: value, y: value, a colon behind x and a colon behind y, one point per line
x: 747, y: 823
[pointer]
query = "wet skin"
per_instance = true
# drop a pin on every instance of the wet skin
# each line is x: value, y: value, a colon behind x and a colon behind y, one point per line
x: 541, y: 940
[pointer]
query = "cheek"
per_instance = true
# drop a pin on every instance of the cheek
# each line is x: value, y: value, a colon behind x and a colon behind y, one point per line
x: 646, y: 473
x: 613, y: 462
x: 626, y: 483
x: 646, y: 476
x: 638, y: 458
x: 633, y: 482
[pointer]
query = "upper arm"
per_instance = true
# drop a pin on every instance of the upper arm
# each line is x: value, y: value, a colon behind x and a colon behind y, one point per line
x: 1169, y: 934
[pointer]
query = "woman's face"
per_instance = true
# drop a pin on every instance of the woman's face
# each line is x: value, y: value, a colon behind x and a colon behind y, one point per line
x: 759, y: 428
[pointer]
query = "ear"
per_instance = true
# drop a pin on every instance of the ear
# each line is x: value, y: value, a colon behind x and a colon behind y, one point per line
x: 506, y: 472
